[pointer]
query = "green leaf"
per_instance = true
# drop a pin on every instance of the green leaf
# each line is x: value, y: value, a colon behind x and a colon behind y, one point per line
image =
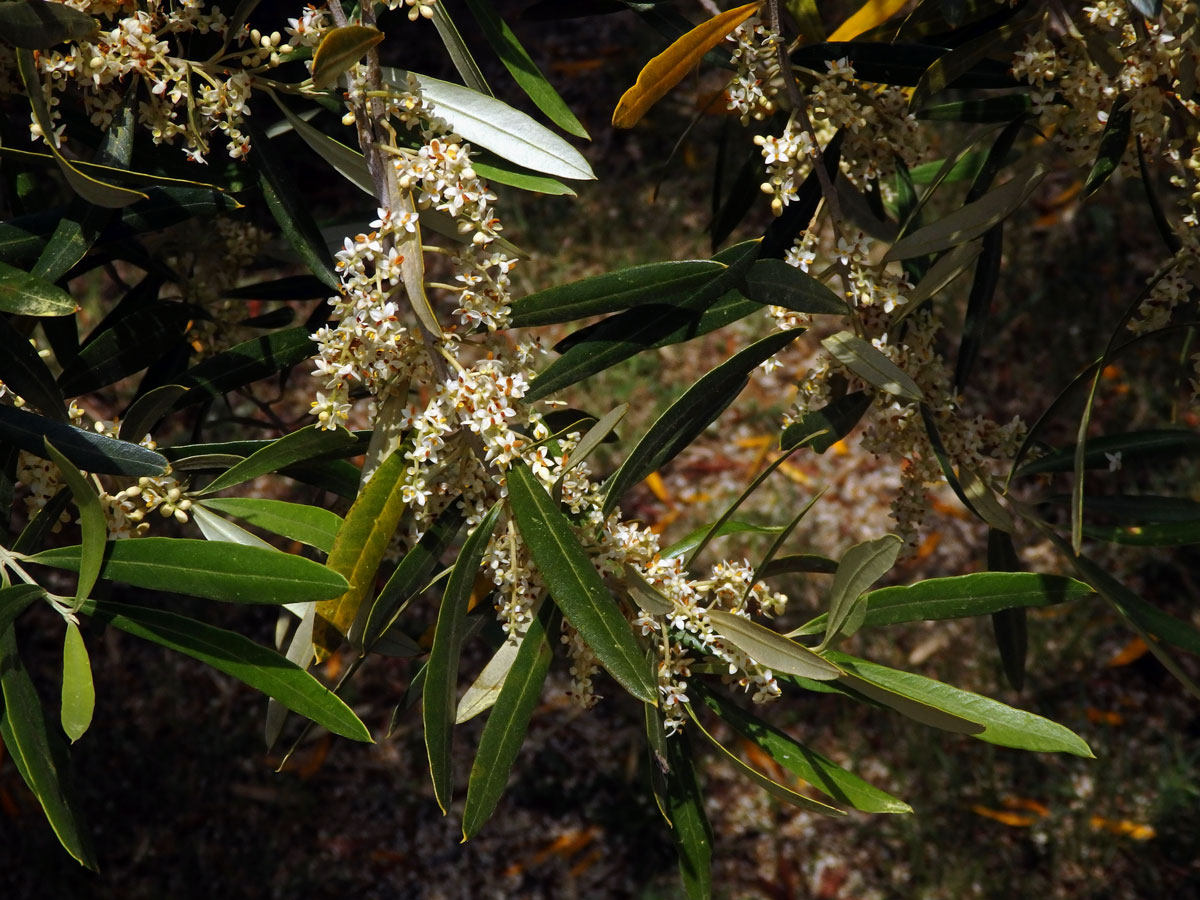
x: 15, y: 599
x: 499, y: 172
x: 861, y: 566
x: 997, y: 723
x: 1157, y: 445
x: 694, y: 411
x: 410, y: 577
x: 39, y: 754
x: 348, y: 162
x: 644, y: 594
x: 307, y: 443
x: 340, y: 49
x: 24, y: 294
x: 729, y: 526
x: 215, y: 528
x: 39, y: 24
x: 216, y: 571
x: 775, y: 283
x: 770, y: 649
x: 962, y: 596
x: 1003, y: 108
x: 130, y: 345
x: 871, y: 365
x: 486, y: 121
x: 576, y: 586
x: 504, y: 732
x: 25, y: 373
x: 286, y: 202
x: 94, y: 191
x: 441, y: 676
x: 88, y: 450
x: 690, y: 828
x: 800, y: 562
x: 78, y: 691
x: 836, y: 419
x: 93, y: 524
x: 979, y: 303
x: 259, y: 667
x: 359, y: 547
x: 246, y: 363
x: 312, y: 525
x: 654, y: 283
x: 820, y: 772
x: 464, y: 63
x: 147, y: 410
x: 954, y: 64
x: 1010, y: 627
x: 970, y: 221
x: 523, y: 69
x: 1113, y: 143
x: 945, y: 269
x: 599, y: 433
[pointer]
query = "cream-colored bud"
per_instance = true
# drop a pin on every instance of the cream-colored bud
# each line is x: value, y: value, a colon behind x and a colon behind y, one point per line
x: 276, y: 37
x: 174, y: 494
x: 185, y: 504
x: 256, y: 36
x: 166, y: 510
x: 181, y: 517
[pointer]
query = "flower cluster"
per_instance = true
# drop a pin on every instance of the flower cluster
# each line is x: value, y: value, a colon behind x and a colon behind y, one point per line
x: 751, y: 93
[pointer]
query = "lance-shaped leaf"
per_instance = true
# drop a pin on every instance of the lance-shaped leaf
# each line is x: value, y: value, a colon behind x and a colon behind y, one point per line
x: 39, y: 754
x: 409, y: 579
x: 774, y: 788
x: 644, y: 594
x: 1009, y: 626
x: 945, y: 269
x: 822, y: 773
x: 347, y: 161
x: 614, y: 291
x: 730, y: 526
x: 147, y: 410
x: 666, y: 70
x: 862, y: 565
x: 199, y: 568
x: 498, y: 172
x: 523, y: 69
x: 340, y: 49
x: 599, y: 433
x: 576, y: 586
x: 771, y: 649
x: 78, y: 691
x: 246, y: 363
x: 827, y: 425
x: 1113, y: 143
x: 979, y: 303
x: 261, y: 668
x: 871, y: 365
x: 40, y: 24
x: 481, y: 695
x: 132, y: 343
x: 26, y: 374
x: 1158, y: 445
x: 441, y: 674
x: 962, y: 596
x: 688, y: 416
x: 464, y: 62
x: 23, y: 294
x: 508, y: 133
x: 773, y: 282
x: 359, y: 547
x: 868, y: 16
x: 998, y: 723
x: 93, y: 525
x: 504, y: 732
x: 800, y: 562
x: 312, y: 525
x: 1004, y: 108
x: 89, y: 451
x: 94, y: 191
x: 970, y: 221
x: 690, y: 828
x: 307, y: 443
x: 15, y: 599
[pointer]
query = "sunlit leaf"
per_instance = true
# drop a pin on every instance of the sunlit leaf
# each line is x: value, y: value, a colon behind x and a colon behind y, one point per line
x: 860, y: 567
x: 259, y: 667
x: 771, y: 649
x: 504, y: 732
x: 245, y: 363
x: 199, y: 568
x: 666, y: 70
x: 441, y: 676
x: 456, y: 48
x: 307, y: 443
x: 507, y: 132
x: 730, y: 526
x: 312, y: 525
x: 93, y: 524
x: 871, y: 365
x: 576, y: 586
x: 24, y: 294
x: 870, y: 14
x: 341, y: 48
x: 822, y: 773
x: 78, y: 691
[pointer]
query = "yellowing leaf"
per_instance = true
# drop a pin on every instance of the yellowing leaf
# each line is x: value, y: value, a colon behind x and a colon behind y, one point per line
x: 339, y: 50
x: 667, y: 69
x: 870, y: 14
